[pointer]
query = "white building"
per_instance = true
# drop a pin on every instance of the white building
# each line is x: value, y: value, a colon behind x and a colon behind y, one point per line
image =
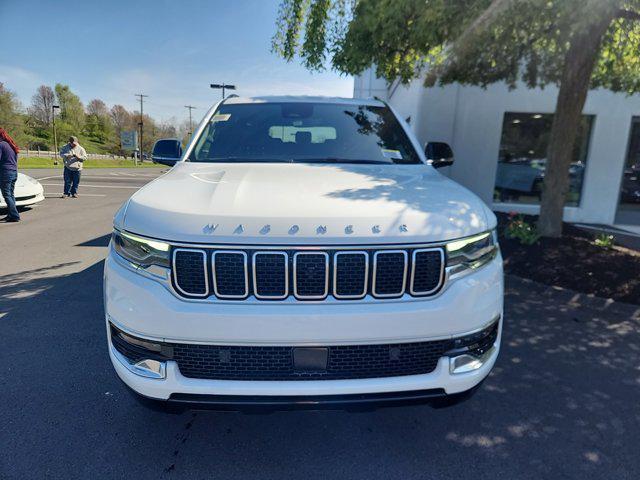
x: 499, y: 139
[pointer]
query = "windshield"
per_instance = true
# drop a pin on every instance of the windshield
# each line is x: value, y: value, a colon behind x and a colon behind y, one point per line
x: 304, y: 132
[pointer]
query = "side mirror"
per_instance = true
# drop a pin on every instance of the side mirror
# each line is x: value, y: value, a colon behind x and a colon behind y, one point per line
x: 167, y: 151
x: 439, y: 154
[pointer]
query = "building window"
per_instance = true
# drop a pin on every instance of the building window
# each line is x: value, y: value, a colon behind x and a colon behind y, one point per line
x: 630, y: 190
x: 523, y: 157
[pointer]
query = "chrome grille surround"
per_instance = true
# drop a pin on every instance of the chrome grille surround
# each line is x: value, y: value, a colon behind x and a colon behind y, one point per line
x: 255, y: 275
x: 296, y: 294
x: 414, y: 255
x: 204, y: 266
x: 361, y: 275
x: 335, y: 275
x: 246, y: 274
x: 376, y: 275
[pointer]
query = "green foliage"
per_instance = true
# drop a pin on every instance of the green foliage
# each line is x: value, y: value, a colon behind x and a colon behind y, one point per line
x: 604, y: 240
x: 468, y: 41
x: 71, y: 108
x: 519, y: 229
x: 98, y: 129
x: 10, y: 119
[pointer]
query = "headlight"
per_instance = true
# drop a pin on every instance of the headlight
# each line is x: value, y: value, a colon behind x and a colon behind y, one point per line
x: 141, y: 251
x: 472, y: 252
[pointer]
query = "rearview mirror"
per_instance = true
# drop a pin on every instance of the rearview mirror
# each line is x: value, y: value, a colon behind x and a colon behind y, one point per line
x: 167, y: 151
x: 439, y: 154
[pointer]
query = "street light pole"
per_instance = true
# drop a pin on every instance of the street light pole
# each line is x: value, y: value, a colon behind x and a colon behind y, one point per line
x: 222, y: 86
x: 55, y: 135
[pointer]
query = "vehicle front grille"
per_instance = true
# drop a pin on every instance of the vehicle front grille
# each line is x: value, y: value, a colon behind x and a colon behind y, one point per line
x: 307, y: 274
x: 341, y: 362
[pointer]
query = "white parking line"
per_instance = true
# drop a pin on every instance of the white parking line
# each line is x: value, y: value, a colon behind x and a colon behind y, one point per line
x: 47, y: 178
x: 92, y: 186
x: 57, y: 195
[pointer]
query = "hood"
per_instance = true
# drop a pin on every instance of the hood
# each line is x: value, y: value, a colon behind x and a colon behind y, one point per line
x: 298, y: 204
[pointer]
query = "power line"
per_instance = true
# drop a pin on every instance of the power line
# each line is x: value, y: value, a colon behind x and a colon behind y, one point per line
x: 142, y: 96
x: 190, y: 107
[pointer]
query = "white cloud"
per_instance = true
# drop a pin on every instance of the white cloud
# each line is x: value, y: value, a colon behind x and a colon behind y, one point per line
x: 20, y: 80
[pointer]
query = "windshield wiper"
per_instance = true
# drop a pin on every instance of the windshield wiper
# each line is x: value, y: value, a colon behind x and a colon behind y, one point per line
x: 338, y: 160
x: 244, y: 160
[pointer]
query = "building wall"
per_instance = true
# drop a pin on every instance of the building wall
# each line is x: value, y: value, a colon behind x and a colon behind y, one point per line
x: 470, y: 120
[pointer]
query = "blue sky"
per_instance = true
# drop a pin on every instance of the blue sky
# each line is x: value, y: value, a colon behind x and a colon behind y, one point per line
x: 169, y: 50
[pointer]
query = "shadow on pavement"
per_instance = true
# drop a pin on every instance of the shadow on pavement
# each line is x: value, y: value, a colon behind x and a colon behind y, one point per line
x: 102, y: 241
x: 562, y: 402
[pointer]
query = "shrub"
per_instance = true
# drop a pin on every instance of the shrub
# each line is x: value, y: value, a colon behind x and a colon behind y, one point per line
x: 519, y: 229
x: 603, y: 240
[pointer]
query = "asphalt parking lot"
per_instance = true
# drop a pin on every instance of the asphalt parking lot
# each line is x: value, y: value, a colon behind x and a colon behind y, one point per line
x: 562, y: 402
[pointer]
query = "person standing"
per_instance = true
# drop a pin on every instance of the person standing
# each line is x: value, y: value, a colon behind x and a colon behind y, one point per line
x: 73, y: 155
x: 8, y: 174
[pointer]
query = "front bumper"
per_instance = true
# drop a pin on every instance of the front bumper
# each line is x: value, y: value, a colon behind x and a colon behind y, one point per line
x: 25, y: 199
x: 146, y: 308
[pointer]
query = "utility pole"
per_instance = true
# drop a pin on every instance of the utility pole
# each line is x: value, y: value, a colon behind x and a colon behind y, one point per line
x: 141, y: 123
x: 55, y: 135
x: 190, y: 107
x: 222, y: 86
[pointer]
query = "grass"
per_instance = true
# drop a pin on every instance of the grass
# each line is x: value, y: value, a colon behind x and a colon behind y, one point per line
x: 44, y: 162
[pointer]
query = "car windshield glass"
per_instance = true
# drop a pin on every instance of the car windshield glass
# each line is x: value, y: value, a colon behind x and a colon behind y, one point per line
x: 304, y: 132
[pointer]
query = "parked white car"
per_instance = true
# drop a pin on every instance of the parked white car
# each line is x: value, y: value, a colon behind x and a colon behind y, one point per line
x: 304, y: 252
x: 28, y: 191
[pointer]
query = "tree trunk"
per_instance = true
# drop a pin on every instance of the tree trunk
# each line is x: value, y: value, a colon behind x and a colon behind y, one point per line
x: 579, y: 63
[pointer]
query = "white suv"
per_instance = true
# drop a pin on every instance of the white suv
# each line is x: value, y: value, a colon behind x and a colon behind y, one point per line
x: 304, y: 252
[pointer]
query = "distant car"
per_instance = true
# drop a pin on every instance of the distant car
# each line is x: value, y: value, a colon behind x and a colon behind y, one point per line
x: 525, y: 176
x: 28, y: 191
x: 167, y: 151
x: 630, y: 191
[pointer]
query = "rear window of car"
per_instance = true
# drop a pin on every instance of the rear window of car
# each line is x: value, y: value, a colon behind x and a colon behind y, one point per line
x: 304, y: 132
x: 166, y: 148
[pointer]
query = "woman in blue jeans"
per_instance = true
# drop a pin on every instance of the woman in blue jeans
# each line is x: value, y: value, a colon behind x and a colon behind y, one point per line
x: 8, y: 174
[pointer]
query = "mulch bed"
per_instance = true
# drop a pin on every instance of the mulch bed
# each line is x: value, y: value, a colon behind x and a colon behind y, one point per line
x: 574, y: 262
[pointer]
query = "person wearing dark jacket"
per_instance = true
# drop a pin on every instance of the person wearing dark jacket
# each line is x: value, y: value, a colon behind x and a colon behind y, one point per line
x: 8, y: 174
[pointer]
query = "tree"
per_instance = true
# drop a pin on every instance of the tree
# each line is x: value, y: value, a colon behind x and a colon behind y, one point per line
x: 42, y: 102
x: 121, y: 119
x: 98, y: 108
x: 97, y: 121
x: 8, y: 108
x: 575, y: 44
x: 71, y: 108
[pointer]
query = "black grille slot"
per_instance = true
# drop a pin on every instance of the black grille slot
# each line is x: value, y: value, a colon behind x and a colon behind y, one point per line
x: 270, y: 275
x: 350, y: 270
x: 276, y: 363
x: 230, y: 274
x: 427, y: 271
x: 190, y: 272
x: 390, y: 273
x: 311, y: 275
